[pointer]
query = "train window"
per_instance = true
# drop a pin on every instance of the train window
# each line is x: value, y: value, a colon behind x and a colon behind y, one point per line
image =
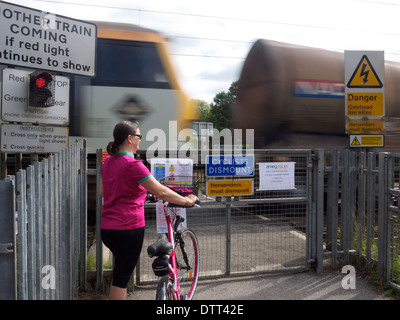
x: 129, y: 63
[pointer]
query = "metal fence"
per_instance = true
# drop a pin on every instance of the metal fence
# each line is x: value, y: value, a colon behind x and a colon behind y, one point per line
x: 388, y: 220
x: 362, y: 225
x: 344, y: 208
x: 50, y: 225
x: 270, y: 231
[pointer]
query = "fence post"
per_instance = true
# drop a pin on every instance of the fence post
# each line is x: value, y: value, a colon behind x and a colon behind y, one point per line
x: 347, y: 203
x: 228, y: 235
x: 332, y: 206
x: 8, y: 284
x: 83, y: 215
x: 22, y: 236
x: 318, y: 199
x: 99, y: 246
x: 384, y: 184
x: 361, y: 205
x: 370, y: 207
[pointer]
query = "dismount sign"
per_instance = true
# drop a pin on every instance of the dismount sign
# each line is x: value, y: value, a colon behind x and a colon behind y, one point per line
x: 229, y: 166
x: 42, y: 40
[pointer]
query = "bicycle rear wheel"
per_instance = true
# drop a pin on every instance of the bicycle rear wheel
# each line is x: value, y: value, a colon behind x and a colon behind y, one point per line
x: 187, y: 259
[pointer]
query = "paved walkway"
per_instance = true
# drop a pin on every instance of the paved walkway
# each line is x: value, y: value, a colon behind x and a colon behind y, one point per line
x: 299, y: 286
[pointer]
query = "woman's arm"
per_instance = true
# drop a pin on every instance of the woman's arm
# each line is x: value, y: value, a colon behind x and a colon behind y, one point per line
x: 166, y: 194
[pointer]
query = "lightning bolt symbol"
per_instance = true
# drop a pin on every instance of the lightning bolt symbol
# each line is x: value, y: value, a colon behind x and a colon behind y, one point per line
x: 364, y: 73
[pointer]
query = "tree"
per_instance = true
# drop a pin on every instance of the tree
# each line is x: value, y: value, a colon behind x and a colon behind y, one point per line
x: 221, y: 107
x: 204, y: 110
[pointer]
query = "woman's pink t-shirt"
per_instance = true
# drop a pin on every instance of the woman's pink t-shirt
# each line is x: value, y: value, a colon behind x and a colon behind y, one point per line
x: 124, y: 197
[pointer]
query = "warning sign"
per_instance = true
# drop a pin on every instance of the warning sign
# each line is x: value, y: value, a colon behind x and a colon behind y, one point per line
x: 37, y: 39
x: 356, y: 142
x: 364, y: 95
x: 364, y: 104
x: 364, y: 76
x: 366, y: 141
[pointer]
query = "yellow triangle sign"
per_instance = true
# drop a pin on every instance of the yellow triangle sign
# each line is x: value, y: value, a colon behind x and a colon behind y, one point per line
x: 364, y: 76
x: 355, y: 142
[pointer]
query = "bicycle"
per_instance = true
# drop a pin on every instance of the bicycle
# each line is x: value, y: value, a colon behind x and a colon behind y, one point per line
x: 177, y: 263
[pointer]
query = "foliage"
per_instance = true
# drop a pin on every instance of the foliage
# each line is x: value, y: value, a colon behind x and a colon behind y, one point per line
x: 220, y: 110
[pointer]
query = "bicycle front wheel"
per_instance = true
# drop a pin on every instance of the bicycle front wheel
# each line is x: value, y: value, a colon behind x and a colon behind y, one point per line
x: 187, y: 260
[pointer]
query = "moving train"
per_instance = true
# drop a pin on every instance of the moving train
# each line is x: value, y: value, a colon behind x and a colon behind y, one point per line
x: 134, y: 80
x: 293, y: 97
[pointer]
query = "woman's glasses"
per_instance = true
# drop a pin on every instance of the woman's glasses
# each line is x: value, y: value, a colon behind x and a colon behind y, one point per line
x: 137, y: 135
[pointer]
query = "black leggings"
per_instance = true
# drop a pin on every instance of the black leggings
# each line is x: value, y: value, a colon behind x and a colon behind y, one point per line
x: 126, y: 246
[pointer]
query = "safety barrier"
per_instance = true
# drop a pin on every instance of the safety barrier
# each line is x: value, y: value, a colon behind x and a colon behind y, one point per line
x: 362, y: 224
x: 47, y: 244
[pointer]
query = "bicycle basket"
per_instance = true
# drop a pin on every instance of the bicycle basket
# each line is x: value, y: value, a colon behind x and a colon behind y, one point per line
x: 183, y: 185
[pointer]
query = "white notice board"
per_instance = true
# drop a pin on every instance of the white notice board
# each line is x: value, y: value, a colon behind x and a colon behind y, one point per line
x: 276, y: 175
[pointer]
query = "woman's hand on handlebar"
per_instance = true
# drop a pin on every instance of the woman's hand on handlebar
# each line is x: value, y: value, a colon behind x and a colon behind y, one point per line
x: 191, y: 200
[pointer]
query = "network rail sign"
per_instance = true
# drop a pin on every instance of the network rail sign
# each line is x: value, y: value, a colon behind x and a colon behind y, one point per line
x: 230, y: 166
x: 45, y: 41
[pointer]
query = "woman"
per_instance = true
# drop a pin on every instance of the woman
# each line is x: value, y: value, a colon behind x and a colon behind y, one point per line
x: 124, y: 185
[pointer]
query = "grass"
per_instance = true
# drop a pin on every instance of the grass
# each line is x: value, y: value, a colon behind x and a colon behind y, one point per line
x: 91, y: 262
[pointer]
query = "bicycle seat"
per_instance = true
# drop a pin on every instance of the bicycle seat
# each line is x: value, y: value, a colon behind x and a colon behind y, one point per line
x: 161, y: 247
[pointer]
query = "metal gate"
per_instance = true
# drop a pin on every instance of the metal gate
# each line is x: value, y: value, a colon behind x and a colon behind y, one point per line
x: 270, y: 231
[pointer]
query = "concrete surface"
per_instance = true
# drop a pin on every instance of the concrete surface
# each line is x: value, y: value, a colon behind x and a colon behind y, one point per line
x: 298, y: 286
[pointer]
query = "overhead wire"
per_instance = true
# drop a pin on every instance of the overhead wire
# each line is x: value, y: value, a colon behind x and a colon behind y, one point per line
x: 226, y: 18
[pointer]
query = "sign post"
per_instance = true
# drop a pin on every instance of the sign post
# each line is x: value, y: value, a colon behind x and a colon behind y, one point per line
x: 365, y: 98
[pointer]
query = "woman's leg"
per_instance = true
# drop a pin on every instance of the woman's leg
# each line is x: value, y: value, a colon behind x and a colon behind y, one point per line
x: 117, y: 293
x: 126, y: 246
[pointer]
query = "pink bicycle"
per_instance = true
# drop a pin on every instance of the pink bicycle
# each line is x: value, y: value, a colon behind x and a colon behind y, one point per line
x: 177, y: 252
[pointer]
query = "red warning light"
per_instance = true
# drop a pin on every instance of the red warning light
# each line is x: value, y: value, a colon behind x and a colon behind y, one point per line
x: 41, y: 89
x: 40, y: 82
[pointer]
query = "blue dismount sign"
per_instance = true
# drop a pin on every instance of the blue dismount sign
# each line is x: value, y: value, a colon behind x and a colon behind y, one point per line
x: 230, y: 166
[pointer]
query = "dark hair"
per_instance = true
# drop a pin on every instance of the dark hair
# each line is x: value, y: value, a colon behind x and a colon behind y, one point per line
x: 121, y: 131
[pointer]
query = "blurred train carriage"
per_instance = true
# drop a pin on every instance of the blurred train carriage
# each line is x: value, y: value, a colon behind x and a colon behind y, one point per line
x: 293, y: 96
x: 134, y: 81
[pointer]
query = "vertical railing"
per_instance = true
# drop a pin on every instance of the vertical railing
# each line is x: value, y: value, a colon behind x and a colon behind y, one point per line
x: 51, y: 218
x: 362, y: 228
x: 7, y: 240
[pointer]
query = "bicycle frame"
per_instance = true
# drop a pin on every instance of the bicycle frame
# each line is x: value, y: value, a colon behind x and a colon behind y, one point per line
x: 173, y: 272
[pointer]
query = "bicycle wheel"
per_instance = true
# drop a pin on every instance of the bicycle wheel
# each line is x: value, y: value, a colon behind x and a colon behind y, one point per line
x: 163, y: 289
x: 187, y: 260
